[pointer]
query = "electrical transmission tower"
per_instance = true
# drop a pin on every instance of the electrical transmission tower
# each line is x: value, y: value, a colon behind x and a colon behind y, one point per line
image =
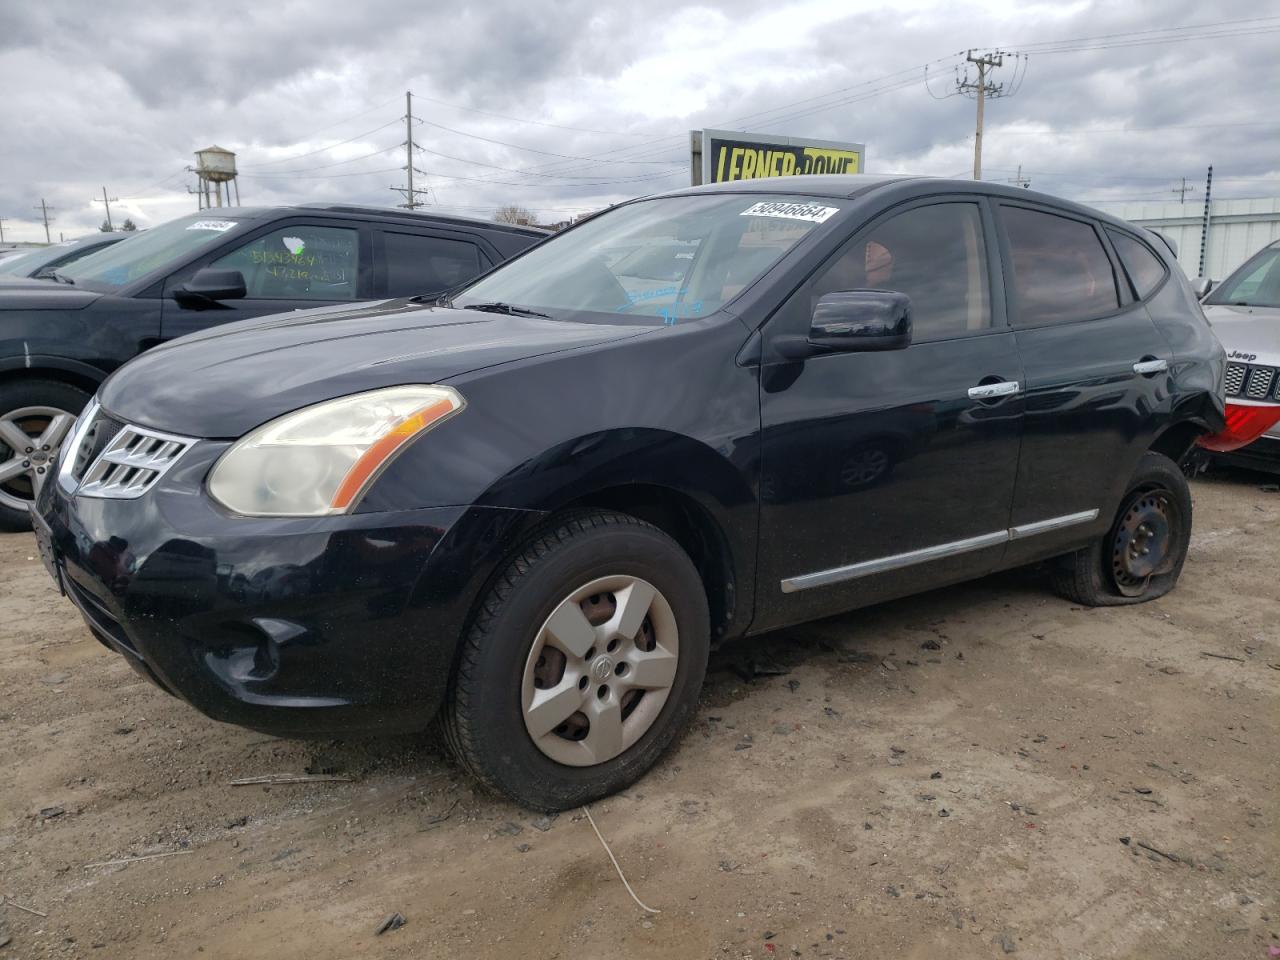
x: 409, y: 192
x: 984, y: 89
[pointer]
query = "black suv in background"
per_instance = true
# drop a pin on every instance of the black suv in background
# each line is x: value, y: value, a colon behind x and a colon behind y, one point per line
x: 59, y: 340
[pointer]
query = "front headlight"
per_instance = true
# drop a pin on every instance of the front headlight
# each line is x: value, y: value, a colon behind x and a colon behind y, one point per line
x: 321, y: 459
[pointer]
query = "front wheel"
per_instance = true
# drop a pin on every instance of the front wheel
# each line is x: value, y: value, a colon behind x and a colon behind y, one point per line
x: 35, y: 417
x: 1142, y: 554
x: 583, y: 663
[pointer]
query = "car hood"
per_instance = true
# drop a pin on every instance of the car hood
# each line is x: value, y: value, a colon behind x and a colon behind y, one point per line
x: 26, y: 293
x: 1251, y: 334
x: 229, y: 379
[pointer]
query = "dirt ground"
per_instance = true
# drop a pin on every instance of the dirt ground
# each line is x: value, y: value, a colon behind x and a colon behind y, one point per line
x: 978, y: 771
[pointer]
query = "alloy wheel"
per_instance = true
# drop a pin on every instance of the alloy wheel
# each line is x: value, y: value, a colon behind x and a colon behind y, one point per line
x: 600, y: 670
x: 29, y: 441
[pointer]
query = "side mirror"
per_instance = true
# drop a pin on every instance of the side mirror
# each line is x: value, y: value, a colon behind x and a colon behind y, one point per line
x: 1201, y: 286
x: 208, y: 286
x: 854, y: 321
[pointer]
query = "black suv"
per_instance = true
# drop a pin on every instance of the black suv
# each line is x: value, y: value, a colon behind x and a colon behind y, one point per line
x: 532, y: 509
x: 58, y: 341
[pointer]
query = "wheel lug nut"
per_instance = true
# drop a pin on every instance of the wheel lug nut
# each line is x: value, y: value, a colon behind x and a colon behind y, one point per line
x: 26, y: 464
x: 39, y: 469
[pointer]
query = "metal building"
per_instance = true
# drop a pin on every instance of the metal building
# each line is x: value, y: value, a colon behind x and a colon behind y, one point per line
x: 1237, y: 229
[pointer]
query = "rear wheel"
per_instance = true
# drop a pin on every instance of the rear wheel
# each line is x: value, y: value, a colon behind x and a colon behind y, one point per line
x: 1142, y: 554
x: 35, y: 417
x: 583, y: 664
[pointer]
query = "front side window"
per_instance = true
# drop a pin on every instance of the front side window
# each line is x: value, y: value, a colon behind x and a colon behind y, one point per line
x: 1061, y: 272
x: 1144, y: 268
x: 1256, y: 284
x: 298, y: 262
x: 151, y: 250
x: 662, y: 260
x: 934, y: 254
x: 417, y: 264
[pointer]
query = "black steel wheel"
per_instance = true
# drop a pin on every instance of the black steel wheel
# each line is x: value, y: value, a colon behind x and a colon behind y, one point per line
x: 1141, y: 542
x: 1141, y: 556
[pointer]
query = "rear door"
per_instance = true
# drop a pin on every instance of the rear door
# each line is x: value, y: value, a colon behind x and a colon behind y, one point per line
x: 1096, y: 373
x: 287, y: 265
x: 422, y: 263
x: 887, y: 473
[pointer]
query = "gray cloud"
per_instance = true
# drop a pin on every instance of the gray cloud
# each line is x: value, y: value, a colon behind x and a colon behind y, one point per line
x: 121, y: 94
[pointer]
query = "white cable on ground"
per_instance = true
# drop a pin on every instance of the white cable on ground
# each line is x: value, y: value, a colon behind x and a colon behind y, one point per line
x: 621, y: 876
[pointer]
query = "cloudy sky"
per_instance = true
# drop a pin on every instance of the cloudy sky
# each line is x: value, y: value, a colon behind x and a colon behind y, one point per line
x: 563, y: 108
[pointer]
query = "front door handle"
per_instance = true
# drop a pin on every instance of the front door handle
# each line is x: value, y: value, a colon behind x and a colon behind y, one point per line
x: 989, y: 391
x: 1150, y: 366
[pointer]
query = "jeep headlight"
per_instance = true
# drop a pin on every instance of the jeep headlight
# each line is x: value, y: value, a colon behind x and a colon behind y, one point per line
x: 321, y: 459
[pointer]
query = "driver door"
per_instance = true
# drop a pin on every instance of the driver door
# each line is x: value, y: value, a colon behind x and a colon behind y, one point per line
x: 886, y: 473
x: 291, y: 266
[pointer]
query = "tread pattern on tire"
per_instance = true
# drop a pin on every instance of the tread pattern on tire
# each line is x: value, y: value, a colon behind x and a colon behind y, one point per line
x: 454, y: 723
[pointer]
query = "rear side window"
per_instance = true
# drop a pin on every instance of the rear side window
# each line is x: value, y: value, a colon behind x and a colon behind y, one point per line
x: 1144, y: 268
x: 1061, y: 272
x: 418, y: 264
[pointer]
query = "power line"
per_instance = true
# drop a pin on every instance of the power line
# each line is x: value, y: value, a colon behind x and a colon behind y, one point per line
x: 981, y: 89
x: 537, y: 123
x: 1032, y: 45
x: 267, y: 163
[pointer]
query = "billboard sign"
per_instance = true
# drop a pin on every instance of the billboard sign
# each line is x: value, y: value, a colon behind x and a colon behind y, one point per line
x: 724, y: 155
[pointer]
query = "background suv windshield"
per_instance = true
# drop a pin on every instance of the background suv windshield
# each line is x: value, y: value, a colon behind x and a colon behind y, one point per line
x: 672, y: 258
x: 151, y: 250
x: 1256, y: 284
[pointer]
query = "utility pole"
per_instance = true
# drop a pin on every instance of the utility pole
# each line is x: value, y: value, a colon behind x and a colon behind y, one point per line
x: 981, y: 89
x: 44, y: 209
x: 1183, y: 190
x: 2, y: 219
x: 1204, y: 222
x: 106, y: 202
x: 1018, y: 180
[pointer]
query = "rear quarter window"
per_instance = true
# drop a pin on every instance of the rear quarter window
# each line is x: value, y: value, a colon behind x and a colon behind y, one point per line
x: 1145, y: 269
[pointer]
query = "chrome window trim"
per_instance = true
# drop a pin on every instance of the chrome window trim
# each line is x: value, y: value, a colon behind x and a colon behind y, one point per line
x: 897, y: 561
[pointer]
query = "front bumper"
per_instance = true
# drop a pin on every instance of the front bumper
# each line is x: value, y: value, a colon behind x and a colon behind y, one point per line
x: 298, y: 627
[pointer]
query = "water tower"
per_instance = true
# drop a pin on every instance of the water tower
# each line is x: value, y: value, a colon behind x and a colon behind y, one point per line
x: 216, y: 169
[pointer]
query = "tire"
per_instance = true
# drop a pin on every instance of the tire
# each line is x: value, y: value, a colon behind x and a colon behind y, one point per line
x: 1114, y: 571
x: 511, y: 665
x: 31, y: 406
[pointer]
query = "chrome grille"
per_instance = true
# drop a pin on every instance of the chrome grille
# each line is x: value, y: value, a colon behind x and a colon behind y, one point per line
x: 1260, y: 383
x: 1235, y: 378
x: 131, y: 463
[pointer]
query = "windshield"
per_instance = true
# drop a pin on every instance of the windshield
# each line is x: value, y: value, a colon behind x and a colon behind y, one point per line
x: 31, y: 261
x: 122, y: 263
x: 1256, y: 284
x: 669, y: 259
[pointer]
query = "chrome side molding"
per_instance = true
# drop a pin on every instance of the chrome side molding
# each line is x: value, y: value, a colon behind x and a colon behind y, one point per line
x: 897, y: 561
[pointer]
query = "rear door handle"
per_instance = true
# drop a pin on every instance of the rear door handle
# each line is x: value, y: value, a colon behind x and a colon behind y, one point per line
x: 1150, y: 366
x: 989, y: 391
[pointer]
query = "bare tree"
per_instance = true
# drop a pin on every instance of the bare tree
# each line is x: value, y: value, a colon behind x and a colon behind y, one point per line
x: 514, y: 214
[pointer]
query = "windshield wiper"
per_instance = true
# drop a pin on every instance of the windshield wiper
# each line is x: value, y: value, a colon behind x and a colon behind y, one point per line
x: 507, y: 308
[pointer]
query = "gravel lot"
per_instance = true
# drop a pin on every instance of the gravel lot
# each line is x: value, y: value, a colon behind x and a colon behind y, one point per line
x: 979, y: 771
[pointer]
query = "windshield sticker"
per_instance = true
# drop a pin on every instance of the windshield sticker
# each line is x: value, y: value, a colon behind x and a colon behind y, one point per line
x: 294, y: 245
x: 812, y: 212
x: 218, y: 225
